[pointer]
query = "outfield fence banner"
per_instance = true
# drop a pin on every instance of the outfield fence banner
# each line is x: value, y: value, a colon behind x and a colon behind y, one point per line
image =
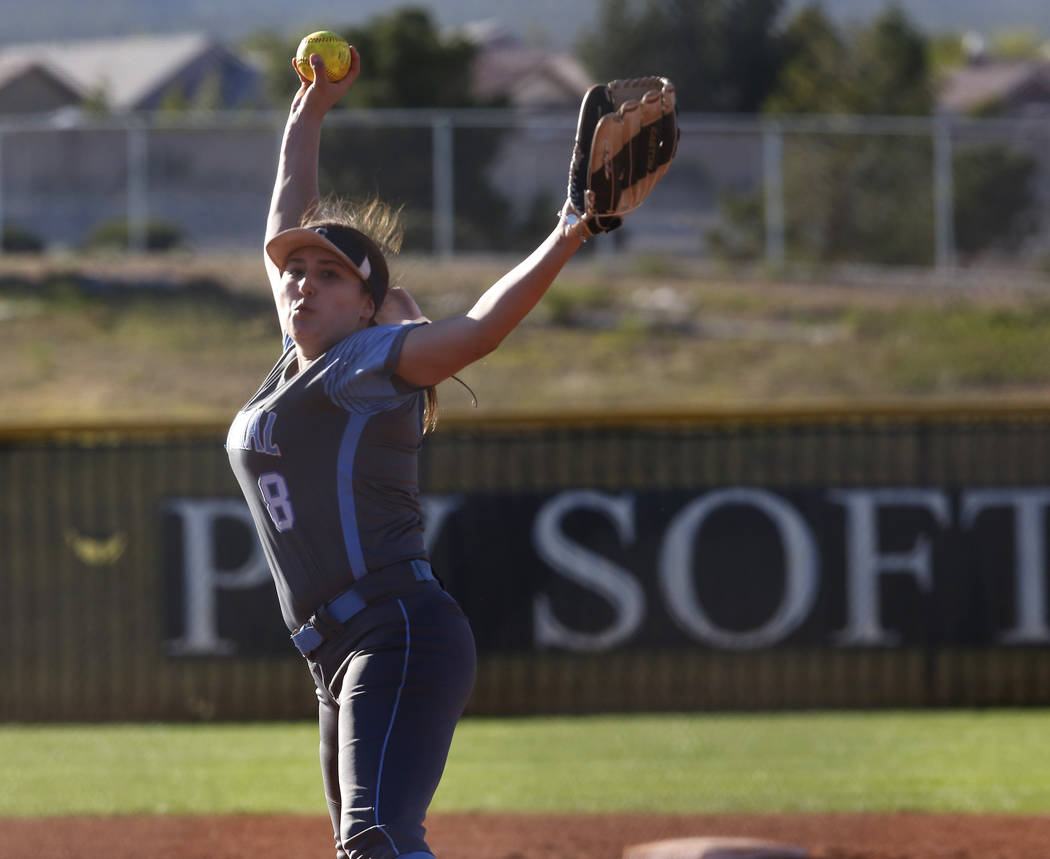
x: 879, y: 557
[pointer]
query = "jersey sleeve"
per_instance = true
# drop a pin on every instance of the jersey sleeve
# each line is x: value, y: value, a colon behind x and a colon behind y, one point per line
x: 361, y: 375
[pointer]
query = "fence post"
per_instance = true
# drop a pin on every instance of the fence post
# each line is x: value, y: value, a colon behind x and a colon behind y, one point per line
x: 2, y: 230
x: 773, y: 188
x: 943, y: 193
x: 138, y: 212
x: 444, y: 201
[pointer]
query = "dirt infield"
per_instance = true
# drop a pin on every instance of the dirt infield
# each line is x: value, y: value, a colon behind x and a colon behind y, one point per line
x: 524, y: 836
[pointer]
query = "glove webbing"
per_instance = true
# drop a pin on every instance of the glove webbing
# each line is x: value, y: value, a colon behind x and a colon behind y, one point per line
x: 633, y: 163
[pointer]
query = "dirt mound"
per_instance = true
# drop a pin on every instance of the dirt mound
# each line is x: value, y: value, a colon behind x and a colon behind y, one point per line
x: 533, y: 836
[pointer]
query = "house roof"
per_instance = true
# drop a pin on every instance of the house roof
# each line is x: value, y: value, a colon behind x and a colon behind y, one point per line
x: 13, y: 69
x: 981, y: 84
x: 526, y: 76
x: 28, y: 86
x: 530, y: 78
x: 127, y: 69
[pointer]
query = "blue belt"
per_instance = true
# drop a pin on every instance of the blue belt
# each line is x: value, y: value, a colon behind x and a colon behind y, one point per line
x: 328, y: 620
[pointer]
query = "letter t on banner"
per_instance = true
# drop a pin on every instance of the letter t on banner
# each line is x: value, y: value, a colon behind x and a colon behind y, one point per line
x: 1029, y: 506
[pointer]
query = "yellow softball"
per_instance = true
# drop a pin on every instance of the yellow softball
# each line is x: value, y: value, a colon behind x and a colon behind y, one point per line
x: 331, y: 48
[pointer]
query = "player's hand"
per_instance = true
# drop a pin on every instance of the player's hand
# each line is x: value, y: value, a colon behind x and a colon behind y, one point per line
x: 399, y: 308
x: 316, y: 97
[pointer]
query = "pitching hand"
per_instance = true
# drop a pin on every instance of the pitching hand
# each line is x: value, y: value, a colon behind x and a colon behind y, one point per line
x: 318, y: 96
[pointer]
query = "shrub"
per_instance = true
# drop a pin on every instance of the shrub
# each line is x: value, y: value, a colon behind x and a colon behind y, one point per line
x: 160, y: 236
x: 15, y: 239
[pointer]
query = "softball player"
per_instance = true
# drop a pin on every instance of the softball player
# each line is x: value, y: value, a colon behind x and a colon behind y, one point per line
x: 326, y: 455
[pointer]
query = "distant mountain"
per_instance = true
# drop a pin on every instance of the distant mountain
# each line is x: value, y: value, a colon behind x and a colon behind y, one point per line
x: 560, y: 22
x: 557, y: 21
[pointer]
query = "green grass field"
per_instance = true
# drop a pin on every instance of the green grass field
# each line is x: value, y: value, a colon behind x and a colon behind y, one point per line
x: 960, y: 761
x: 100, y: 338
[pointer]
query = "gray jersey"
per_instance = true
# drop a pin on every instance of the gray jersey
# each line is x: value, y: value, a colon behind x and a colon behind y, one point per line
x: 328, y: 462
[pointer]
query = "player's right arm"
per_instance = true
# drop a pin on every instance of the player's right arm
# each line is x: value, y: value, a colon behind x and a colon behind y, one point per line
x: 295, y: 188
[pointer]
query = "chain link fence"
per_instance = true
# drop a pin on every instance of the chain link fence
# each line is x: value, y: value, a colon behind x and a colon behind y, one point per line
x: 793, y: 191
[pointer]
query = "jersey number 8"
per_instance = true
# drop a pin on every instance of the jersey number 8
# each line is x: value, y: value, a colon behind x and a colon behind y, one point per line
x: 274, y: 491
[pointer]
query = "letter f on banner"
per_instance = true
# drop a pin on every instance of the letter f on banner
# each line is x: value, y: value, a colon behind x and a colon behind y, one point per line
x: 864, y: 563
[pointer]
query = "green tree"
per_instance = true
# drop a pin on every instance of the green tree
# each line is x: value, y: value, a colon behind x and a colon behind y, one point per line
x: 946, y: 51
x: 862, y: 198
x: 811, y: 79
x: 411, y: 64
x: 883, y: 70
x: 1019, y: 44
x: 175, y: 100
x: 273, y: 55
x: 209, y: 93
x: 892, y: 74
x: 847, y: 197
x: 408, y: 63
x: 723, y: 55
x: 97, y: 102
x: 995, y: 199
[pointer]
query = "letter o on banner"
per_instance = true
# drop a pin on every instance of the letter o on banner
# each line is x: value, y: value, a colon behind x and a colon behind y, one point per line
x: 800, y: 572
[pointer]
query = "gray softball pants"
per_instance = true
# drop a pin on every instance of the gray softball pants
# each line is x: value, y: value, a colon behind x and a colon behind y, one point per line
x: 390, y: 689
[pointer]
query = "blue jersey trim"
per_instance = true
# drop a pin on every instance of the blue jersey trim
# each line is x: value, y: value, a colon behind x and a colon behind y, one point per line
x: 393, y: 716
x: 355, y: 555
x: 360, y: 371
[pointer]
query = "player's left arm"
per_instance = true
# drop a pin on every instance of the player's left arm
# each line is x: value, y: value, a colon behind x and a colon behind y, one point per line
x: 624, y: 118
x: 432, y: 353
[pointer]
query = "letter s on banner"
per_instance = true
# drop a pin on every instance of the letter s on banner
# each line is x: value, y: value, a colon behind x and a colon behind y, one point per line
x: 588, y: 569
x: 800, y: 572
